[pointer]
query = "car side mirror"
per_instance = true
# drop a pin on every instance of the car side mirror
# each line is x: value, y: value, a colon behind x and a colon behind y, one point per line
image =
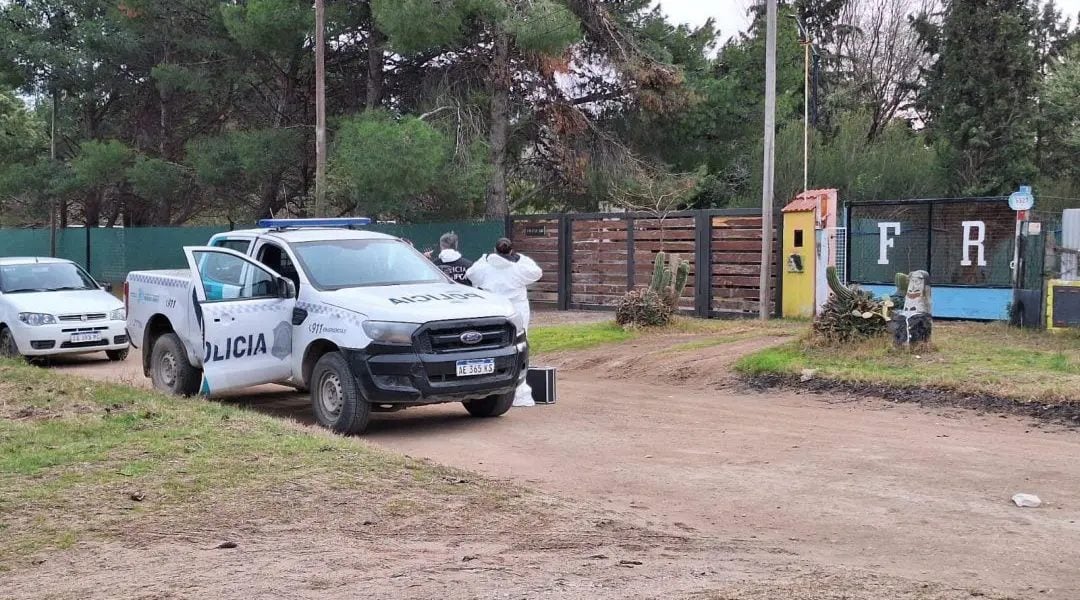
x: 286, y: 289
x: 107, y: 287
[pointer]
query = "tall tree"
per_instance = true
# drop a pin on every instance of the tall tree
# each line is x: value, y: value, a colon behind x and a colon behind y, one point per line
x: 881, y: 58
x: 1052, y: 38
x: 980, y: 97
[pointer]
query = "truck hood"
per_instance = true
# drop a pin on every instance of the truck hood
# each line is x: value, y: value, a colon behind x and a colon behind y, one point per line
x: 421, y: 303
x: 63, y: 303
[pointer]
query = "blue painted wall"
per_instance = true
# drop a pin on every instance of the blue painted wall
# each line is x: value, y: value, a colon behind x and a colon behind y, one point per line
x: 984, y: 304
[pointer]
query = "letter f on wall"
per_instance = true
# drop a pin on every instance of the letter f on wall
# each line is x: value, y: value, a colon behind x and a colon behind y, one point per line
x: 886, y: 242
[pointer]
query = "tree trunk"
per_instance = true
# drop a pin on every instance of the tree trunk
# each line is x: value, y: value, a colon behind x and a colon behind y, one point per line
x: 92, y: 209
x: 498, y: 206
x: 271, y: 201
x: 375, y: 77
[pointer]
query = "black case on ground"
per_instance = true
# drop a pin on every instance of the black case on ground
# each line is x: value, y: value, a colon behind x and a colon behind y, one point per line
x: 542, y: 382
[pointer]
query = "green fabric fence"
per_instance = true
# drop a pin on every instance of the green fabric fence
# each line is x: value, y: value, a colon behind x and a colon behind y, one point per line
x: 115, y: 252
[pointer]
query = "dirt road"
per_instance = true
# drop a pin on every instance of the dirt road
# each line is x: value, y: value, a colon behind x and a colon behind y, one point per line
x: 829, y: 483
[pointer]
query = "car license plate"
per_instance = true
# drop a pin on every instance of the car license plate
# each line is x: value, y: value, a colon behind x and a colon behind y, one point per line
x: 472, y: 368
x: 84, y: 338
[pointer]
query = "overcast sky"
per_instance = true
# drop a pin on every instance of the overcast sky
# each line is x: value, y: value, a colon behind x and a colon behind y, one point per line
x: 730, y: 15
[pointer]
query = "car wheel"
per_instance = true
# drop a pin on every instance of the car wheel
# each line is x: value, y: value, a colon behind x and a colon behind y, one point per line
x: 492, y: 406
x: 336, y: 399
x: 169, y: 367
x: 8, y: 347
x: 117, y: 355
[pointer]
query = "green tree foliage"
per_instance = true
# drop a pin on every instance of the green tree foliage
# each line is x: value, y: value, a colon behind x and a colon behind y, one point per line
x: 169, y: 112
x: 380, y: 163
x: 101, y: 163
x: 980, y: 97
x: 1061, y: 111
x: 268, y: 26
x: 544, y: 27
x: 21, y: 133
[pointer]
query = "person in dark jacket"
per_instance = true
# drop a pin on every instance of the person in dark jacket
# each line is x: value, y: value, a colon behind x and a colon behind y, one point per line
x: 450, y: 260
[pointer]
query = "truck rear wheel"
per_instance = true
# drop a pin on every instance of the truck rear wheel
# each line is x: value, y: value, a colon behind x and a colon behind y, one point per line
x: 336, y: 400
x: 170, y: 369
x: 492, y: 406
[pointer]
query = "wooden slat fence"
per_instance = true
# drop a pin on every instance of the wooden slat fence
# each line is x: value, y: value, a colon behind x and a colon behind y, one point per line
x: 591, y: 260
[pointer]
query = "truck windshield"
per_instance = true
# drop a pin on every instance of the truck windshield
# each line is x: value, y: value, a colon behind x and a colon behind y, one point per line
x: 43, y: 277
x: 338, y: 264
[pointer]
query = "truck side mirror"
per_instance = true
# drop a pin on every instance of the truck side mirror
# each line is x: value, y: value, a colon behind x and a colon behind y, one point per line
x: 286, y: 289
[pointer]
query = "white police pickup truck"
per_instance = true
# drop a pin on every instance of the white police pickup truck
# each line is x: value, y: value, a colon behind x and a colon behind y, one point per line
x: 360, y: 319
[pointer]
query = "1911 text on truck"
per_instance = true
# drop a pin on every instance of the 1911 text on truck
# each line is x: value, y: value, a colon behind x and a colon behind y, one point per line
x: 360, y: 319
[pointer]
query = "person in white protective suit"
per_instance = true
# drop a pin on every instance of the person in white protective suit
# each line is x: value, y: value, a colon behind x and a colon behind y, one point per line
x: 508, y: 274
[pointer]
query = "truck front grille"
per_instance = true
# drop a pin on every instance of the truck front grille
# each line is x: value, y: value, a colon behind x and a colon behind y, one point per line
x: 451, y: 336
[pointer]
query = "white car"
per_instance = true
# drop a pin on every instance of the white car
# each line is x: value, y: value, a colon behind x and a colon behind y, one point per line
x: 51, y: 306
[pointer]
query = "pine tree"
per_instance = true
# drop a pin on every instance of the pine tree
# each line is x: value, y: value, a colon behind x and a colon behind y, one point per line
x: 980, y: 93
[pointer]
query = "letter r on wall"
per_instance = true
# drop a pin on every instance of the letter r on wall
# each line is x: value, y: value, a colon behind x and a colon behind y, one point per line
x: 979, y: 242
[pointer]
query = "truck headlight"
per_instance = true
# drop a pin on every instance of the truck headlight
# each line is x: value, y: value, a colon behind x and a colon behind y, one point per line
x: 518, y: 321
x: 388, y: 332
x: 36, y: 319
x: 119, y: 314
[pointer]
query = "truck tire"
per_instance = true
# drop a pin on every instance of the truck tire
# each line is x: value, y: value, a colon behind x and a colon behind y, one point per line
x: 336, y: 399
x: 117, y: 355
x: 170, y: 369
x: 492, y: 406
x: 8, y: 347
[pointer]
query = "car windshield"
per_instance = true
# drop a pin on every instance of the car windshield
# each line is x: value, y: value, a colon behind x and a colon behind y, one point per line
x: 43, y: 277
x: 338, y: 264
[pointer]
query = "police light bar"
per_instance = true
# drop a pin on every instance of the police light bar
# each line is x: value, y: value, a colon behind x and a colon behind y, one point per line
x: 348, y: 222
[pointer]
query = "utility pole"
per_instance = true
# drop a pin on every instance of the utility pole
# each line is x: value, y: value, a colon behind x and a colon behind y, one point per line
x: 320, y: 107
x: 770, y: 160
x: 53, y: 208
x: 808, y: 45
x: 806, y: 115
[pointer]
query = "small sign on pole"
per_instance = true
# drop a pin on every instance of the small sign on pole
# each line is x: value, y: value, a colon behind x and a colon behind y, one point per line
x: 1022, y: 200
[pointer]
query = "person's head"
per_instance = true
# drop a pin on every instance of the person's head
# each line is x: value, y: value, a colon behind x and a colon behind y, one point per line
x: 448, y: 241
x: 504, y: 247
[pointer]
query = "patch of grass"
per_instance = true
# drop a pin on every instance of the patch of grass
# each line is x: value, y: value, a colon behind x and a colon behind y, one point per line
x: 991, y: 359
x: 73, y: 452
x: 558, y: 338
x: 771, y: 360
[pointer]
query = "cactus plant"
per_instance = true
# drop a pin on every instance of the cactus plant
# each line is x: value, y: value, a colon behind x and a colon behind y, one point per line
x: 658, y: 272
x: 669, y: 280
x: 901, y: 291
x: 841, y: 290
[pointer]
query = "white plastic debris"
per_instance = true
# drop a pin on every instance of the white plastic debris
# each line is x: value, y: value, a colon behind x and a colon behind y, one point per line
x: 807, y: 375
x: 1027, y: 501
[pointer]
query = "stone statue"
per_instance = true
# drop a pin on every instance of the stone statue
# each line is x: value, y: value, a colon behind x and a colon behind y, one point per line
x: 913, y: 324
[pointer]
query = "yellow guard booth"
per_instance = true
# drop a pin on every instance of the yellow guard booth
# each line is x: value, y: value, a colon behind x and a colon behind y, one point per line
x: 808, y: 249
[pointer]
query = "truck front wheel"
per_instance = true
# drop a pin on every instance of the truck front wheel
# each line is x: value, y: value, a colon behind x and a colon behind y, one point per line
x: 170, y: 369
x: 335, y: 398
x: 492, y: 406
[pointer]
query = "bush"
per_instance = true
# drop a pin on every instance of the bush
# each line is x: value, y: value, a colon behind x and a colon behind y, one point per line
x: 644, y: 308
x: 848, y: 317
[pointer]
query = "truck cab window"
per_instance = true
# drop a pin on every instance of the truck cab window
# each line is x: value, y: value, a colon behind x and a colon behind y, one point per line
x: 278, y: 259
x: 227, y: 277
x: 240, y: 245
